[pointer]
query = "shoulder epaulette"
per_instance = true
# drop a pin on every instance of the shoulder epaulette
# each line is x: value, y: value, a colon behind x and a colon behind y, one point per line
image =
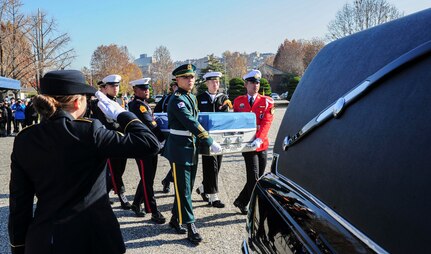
x: 87, y: 120
x: 177, y: 94
x: 269, y: 99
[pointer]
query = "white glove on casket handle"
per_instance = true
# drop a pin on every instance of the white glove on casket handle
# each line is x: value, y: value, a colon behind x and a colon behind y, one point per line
x: 109, y: 107
x: 216, y: 147
x: 257, y: 143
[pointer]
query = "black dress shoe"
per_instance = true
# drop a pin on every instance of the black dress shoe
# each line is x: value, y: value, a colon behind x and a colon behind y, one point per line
x: 241, y: 207
x: 176, y: 225
x: 139, y: 212
x: 166, y: 186
x: 125, y: 205
x: 158, y: 217
x: 192, y: 234
x: 203, y: 195
x: 217, y: 204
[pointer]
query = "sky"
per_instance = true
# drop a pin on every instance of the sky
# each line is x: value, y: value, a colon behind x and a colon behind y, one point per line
x: 194, y: 28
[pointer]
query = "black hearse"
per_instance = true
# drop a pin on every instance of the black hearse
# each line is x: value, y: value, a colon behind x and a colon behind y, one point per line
x: 352, y: 160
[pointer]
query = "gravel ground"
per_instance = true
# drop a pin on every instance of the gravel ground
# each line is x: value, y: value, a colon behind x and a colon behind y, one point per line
x: 222, y: 229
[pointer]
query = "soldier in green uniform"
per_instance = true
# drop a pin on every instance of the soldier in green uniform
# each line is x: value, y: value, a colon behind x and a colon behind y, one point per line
x: 181, y: 150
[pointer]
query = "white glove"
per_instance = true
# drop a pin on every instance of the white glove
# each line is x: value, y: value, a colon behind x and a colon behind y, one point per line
x: 109, y: 107
x: 256, y: 143
x: 216, y: 147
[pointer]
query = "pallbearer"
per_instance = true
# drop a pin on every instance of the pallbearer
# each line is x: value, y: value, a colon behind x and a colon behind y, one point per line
x: 212, y: 101
x: 147, y: 164
x: 181, y: 150
x: 263, y: 107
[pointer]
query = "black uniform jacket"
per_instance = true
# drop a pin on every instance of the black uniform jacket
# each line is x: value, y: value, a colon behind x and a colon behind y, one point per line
x: 142, y: 110
x: 62, y: 162
x: 207, y: 104
x: 162, y: 105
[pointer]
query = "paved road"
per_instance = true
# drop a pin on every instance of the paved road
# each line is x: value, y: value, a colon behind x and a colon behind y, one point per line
x: 222, y: 229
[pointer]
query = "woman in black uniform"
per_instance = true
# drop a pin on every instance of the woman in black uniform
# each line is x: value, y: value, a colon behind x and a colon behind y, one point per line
x: 62, y: 162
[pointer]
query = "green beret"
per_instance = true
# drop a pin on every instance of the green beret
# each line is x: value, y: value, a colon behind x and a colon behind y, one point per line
x: 184, y: 70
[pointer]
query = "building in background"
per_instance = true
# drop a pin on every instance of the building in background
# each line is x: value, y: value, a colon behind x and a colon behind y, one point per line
x: 144, y: 63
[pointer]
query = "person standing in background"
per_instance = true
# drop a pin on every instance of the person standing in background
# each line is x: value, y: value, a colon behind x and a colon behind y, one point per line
x: 18, y: 109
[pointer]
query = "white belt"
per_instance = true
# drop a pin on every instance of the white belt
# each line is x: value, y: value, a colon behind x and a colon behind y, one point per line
x: 181, y: 133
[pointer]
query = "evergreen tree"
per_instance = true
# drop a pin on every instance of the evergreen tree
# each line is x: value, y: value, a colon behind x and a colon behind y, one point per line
x: 265, y: 87
x: 236, y: 88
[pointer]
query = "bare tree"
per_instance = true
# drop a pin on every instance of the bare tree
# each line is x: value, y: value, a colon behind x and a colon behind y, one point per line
x: 15, y: 50
x: 360, y: 15
x: 50, y: 49
x: 161, y: 69
x: 236, y: 64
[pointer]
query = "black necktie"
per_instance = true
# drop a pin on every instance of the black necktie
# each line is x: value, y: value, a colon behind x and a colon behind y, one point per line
x: 251, y: 101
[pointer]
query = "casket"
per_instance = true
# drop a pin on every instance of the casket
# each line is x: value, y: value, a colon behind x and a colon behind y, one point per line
x: 233, y: 131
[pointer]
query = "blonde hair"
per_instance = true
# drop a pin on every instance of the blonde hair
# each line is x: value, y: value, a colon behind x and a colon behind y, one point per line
x: 46, y: 105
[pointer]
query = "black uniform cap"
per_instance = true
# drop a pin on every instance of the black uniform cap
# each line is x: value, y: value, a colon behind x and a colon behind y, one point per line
x: 65, y: 82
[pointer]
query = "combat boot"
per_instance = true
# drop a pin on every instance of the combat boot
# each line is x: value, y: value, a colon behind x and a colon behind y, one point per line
x: 158, y: 217
x: 193, y: 234
x: 200, y: 191
x: 241, y: 207
x: 214, y: 201
x: 177, y: 226
x: 137, y: 209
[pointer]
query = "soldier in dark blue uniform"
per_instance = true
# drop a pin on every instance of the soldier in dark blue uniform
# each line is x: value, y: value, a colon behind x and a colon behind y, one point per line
x: 62, y: 161
x: 116, y: 166
x: 181, y: 150
x: 147, y: 164
x: 212, y: 101
x: 162, y: 107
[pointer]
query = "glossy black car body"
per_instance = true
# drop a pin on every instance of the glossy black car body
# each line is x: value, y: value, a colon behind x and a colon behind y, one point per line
x: 355, y: 177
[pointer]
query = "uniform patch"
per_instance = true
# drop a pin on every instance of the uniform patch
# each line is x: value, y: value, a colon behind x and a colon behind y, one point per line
x: 142, y: 108
x: 241, y: 105
x: 181, y: 104
x: 272, y: 111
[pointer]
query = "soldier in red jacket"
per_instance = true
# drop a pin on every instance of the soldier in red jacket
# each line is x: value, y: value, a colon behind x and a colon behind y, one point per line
x: 263, y: 107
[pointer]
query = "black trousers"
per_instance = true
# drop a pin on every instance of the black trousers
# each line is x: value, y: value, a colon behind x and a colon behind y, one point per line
x: 145, y: 191
x: 255, y: 164
x: 114, y: 180
x: 211, y: 168
x: 9, y: 126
